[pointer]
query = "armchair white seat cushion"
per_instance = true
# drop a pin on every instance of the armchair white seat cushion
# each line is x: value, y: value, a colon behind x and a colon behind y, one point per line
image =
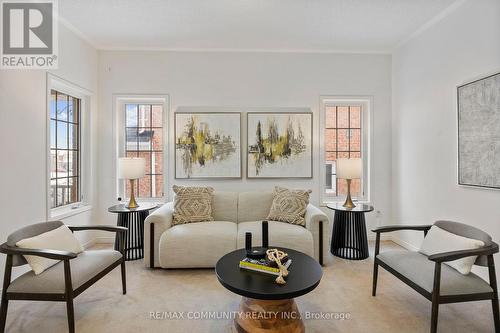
x: 420, y: 270
x: 281, y: 234
x: 198, y: 244
x: 83, y: 268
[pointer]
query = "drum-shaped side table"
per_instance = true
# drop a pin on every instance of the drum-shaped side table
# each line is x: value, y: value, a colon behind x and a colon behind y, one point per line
x: 349, y: 238
x: 133, y: 219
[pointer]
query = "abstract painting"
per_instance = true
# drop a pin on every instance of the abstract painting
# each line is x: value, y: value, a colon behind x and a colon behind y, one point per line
x: 207, y: 145
x: 279, y: 145
x: 479, y: 132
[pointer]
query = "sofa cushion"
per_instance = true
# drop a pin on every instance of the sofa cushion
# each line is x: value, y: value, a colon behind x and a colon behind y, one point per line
x: 196, y: 245
x: 281, y: 234
x: 254, y: 206
x: 420, y: 270
x: 289, y: 205
x: 439, y: 240
x: 192, y: 204
x: 61, y: 239
x: 84, y: 267
x: 225, y: 206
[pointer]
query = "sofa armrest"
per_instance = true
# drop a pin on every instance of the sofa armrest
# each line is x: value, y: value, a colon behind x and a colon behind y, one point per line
x: 318, y: 224
x: 154, y: 226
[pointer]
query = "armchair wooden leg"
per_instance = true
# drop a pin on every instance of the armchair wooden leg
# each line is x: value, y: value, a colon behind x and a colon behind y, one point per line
x: 71, y: 315
x: 69, y: 296
x: 375, y: 278
x: 5, y: 302
x: 496, y: 315
x: 494, y: 301
x: 124, y: 278
x: 435, y: 297
x: 3, y: 314
x: 434, y: 316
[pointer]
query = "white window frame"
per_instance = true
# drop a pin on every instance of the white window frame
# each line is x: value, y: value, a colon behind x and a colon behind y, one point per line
x: 366, y: 103
x: 84, y: 204
x: 119, y: 101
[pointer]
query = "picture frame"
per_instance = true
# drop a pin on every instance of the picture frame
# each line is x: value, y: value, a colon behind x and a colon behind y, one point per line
x: 219, y: 134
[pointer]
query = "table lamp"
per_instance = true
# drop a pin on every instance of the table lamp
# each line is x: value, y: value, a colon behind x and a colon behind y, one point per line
x: 131, y: 168
x: 349, y: 169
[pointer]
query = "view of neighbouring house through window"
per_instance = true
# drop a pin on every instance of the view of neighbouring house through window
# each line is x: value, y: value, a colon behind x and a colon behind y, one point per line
x: 64, y: 149
x: 144, y: 138
x: 343, y: 139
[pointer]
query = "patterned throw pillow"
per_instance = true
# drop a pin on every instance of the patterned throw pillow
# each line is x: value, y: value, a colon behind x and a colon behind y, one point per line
x: 192, y: 204
x: 289, y: 205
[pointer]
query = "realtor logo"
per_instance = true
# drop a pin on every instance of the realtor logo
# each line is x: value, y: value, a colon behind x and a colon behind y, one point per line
x: 29, y: 31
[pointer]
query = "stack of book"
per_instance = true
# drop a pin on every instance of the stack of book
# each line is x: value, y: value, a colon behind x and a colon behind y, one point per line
x: 263, y: 265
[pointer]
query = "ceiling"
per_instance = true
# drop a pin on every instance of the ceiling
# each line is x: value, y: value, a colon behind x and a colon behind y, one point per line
x: 250, y: 25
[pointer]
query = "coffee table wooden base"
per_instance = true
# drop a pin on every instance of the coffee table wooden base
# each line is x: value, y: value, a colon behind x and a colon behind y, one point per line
x: 268, y: 316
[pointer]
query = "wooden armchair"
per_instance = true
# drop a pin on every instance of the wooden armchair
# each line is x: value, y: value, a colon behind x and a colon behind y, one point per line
x: 63, y: 281
x: 438, y: 283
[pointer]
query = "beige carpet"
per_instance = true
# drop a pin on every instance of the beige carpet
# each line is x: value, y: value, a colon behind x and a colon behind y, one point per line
x: 345, y: 288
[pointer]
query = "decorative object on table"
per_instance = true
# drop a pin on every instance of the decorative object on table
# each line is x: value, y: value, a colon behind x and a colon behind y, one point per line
x: 257, y: 252
x: 478, y: 124
x: 133, y: 220
x: 207, y: 145
x: 260, y: 297
x: 279, y: 145
x: 275, y: 255
x: 443, y: 284
x: 349, y: 169
x: 192, y: 204
x: 131, y: 168
x: 289, y: 205
x: 349, y: 238
x: 264, y: 265
x: 71, y: 274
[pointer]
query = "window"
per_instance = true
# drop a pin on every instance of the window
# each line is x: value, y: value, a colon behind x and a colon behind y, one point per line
x: 345, y: 135
x: 64, y: 149
x: 144, y: 138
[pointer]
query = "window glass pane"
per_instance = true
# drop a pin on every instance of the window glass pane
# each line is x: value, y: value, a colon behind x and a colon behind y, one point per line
x: 157, y: 111
x: 73, y: 189
x: 355, y: 117
x: 355, y: 140
x: 52, y: 104
x: 331, y: 117
x: 158, y: 186
x: 356, y: 187
x: 131, y: 115
x: 355, y: 154
x: 52, y: 192
x: 331, y: 156
x: 62, y: 163
x: 132, y: 154
x: 157, y: 163
x: 343, y: 140
x: 72, y: 163
x: 73, y: 136
x: 157, y: 139
x: 144, y: 138
x: 342, y: 187
x: 62, y: 135
x: 62, y: 191
x: 62, y: 107
x: 132, y: 139
x: 330, y: 139
x: 342, y: 154
x: 144, y: 115
x: 53, y: 165
x: 147, y: 156
x: 52, y: 134
x: 342, y: 117
x: 145, y: 187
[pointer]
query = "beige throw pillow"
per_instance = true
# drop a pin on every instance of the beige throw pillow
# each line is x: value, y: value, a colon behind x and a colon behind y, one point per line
x: 289, y: 205
x: 192, y: 204
x: 61, y: 239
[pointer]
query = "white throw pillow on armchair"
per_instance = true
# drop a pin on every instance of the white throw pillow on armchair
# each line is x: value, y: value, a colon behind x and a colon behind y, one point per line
x: 61, y: 239
x: 439, y: 240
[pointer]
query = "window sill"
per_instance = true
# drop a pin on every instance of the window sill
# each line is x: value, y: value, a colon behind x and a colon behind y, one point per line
x: 67, y: 211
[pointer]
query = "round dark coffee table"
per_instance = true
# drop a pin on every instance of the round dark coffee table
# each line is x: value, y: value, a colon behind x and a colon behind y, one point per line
x: 133, y: 219
x: 349, y: 239
x: 271, y: 306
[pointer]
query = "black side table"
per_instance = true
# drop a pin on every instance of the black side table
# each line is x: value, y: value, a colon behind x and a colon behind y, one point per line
x: 349, y: 239
x: 133, y: 219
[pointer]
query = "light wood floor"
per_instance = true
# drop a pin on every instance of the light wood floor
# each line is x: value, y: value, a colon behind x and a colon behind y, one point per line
x: 345, y: 288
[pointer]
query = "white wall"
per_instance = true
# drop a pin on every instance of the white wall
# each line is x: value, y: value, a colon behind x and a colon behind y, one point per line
x: 426, y: 70
x: 23, y: 130
x: 246, y: 80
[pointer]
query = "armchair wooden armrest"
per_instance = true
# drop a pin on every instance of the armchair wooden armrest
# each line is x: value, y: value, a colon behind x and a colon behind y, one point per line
x: 110, y: 228
x: 390, y: 228
x: 454, y: 255
x: 46, y: 253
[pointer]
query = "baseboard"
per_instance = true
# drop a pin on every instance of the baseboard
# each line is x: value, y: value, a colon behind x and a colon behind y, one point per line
x: 403, y: 243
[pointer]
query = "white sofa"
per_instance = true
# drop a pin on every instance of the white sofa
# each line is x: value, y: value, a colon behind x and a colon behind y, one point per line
x: 199, y: 245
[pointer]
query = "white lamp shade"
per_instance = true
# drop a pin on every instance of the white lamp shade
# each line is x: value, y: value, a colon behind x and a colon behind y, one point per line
x: 349, y: 168
x: 131, y: 167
